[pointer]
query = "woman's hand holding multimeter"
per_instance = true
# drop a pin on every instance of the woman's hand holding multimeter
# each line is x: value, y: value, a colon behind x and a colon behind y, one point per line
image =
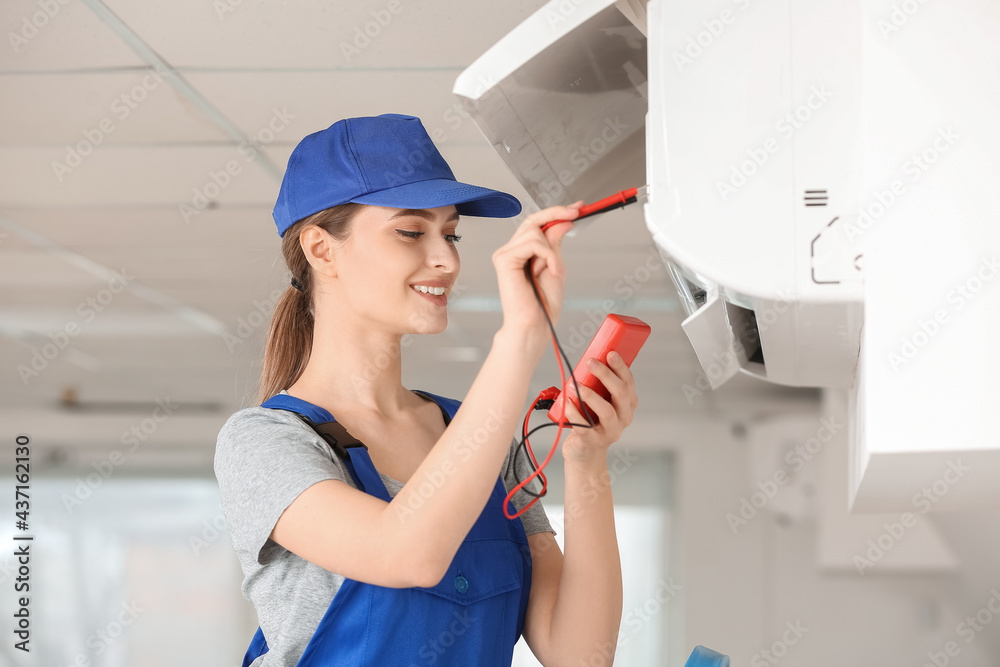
x: 622, y: 334
x: 606, y: 387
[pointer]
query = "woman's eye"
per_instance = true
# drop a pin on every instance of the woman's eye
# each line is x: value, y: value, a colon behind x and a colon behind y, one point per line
x: 454, y: 238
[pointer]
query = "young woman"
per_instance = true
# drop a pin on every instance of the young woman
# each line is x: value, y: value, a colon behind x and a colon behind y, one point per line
x: 398, y: 553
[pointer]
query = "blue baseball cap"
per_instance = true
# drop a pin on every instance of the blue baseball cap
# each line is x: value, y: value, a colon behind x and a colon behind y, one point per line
x: 386, y: 160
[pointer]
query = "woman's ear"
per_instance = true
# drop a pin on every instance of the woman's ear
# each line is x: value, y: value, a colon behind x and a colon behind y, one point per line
x: 318, y: 248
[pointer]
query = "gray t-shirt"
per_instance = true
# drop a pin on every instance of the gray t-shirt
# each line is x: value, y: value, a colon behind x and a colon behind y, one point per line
x: 264, y: 459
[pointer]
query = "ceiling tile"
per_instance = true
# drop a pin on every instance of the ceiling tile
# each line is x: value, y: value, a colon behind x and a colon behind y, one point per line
x: 132, y: 175
x: 100, y: 109
x: 310, y: 35
x: 312, y: 101
x: 130, y: 227
x: 72, y: 38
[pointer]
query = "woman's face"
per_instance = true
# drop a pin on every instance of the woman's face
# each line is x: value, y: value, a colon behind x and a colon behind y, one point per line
x: 388, y: 252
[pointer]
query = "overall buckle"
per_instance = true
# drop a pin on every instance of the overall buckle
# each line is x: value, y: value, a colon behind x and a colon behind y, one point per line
x: 336, y: 436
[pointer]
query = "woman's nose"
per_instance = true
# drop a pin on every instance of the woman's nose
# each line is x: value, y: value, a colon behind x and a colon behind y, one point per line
x: 443, y: 254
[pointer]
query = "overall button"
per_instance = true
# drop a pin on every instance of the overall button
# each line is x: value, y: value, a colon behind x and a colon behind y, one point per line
x: 461, y: 584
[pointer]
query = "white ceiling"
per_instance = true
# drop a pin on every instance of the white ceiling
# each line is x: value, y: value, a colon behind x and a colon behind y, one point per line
x: 227, y: 77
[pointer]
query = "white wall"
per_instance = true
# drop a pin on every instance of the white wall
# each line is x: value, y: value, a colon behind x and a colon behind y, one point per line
x: 741, y: 590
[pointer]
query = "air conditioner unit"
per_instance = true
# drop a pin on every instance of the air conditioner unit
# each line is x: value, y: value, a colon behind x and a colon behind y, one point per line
x: 822, y: 189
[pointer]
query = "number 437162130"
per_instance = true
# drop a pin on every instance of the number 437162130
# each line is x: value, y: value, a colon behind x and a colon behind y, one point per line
x: 21, y: 474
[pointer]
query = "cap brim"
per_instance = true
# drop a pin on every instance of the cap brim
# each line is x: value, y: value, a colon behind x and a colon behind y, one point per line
x: 468, y: 199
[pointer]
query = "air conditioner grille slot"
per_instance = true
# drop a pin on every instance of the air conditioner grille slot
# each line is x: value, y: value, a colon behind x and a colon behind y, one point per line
x: 746, y: 335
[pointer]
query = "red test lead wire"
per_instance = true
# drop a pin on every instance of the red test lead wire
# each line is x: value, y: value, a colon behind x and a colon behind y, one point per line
x: 549, y: 394
x: 509, y: 499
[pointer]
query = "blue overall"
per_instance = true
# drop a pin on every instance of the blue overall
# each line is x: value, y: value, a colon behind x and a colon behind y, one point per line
x: 473, y: 616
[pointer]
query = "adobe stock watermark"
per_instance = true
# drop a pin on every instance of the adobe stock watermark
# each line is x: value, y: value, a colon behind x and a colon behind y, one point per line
x: 121, y: 108
x: 224, y: 8
x: 469, y: 445
x: 210, y: 532
x: 928, y: 328
x: 426, y: 149
x: 32, y: 23
x: 638, y: 617
x: 450, y: 121
x: 779, y: 648
x: 103, y: 638
x: 88, y: 310
x: 749, y: 330
x: 433, y: 649
x: 967, y: 630
x: 899, y: 16
x: 581, y: 158
x: 719, y: 366
x: 924, y: 500
x: 8, y: 567
x: 712, y: 30
x: 621, y: 462
x: 204, y: 196
x: 363, y: 35
x: 456, y: 115
x: 631, y: 282
x: 381, y: 360
x: 258, y: 317
x: 634, y: 621
x: 131, y: 439
x: 797, y: 459
x: 786, y: 126
x: 913, y: 168
x: 560, y: 12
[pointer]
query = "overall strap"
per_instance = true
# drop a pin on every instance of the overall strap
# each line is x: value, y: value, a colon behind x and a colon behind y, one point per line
x: 349, y: 449
x: 321, y: 421
x: 449, y: 406
x: 286, y: 402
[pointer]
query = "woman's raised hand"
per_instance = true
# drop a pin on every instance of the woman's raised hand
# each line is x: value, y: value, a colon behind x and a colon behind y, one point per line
x: 521, y: 311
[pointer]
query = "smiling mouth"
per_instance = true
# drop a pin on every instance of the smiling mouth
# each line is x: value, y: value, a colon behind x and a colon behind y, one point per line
x: 437, y: 299
x: 431, y: 290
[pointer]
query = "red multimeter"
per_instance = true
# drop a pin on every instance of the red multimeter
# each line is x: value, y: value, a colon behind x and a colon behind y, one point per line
x: 621, y: 333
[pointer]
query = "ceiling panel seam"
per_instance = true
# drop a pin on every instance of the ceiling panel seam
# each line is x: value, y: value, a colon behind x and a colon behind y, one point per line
x: 173, y: 75
x: 196, y: 317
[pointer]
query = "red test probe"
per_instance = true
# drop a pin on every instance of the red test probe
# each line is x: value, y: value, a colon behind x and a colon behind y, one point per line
x: 620, y: 200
